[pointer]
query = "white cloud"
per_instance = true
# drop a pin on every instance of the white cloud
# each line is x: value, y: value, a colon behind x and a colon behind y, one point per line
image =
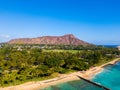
x: 4, y: 36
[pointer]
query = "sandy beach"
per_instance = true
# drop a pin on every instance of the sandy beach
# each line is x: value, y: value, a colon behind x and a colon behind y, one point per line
x: 63, y: 78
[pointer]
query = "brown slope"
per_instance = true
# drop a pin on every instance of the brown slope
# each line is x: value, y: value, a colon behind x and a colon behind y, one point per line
x: 55, y: 40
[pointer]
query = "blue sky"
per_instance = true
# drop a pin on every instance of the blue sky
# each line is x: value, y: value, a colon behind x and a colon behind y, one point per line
x: 95, y: 21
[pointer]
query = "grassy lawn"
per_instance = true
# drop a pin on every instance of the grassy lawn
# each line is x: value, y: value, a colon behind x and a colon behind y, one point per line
x: 71, y: 51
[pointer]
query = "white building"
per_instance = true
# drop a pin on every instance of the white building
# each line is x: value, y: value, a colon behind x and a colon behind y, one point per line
x: 118, y: 47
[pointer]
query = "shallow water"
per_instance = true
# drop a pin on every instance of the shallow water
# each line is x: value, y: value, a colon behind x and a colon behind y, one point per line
x: 109, y: 77
x: 74, y: 85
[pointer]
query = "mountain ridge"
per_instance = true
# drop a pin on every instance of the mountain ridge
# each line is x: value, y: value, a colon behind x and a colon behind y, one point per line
x: 68, y: 39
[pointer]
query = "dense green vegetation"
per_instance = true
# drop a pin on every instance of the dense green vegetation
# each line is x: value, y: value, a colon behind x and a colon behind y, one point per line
x: 25, y: 63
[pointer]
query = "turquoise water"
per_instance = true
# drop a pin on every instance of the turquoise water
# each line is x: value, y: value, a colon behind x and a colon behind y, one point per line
x: 109, y: 77
x: 74, y: 85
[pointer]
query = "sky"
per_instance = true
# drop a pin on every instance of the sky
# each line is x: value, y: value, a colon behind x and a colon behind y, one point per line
x: 94, y: 21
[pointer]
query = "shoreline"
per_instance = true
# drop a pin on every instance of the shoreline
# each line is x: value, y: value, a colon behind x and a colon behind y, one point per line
x: 37, y: 85
x: 89, y: 74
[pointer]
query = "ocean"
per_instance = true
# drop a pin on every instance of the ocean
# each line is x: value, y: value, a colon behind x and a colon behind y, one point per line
x: 109, y: 77
x: 111, y: 46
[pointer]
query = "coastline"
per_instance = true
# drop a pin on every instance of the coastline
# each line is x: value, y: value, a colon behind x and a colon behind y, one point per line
x: 37, y: 85
x: 89, y: 74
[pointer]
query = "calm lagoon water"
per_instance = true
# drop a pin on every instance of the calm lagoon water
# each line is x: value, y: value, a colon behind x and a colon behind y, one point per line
x: 109, y: 77
x: 74, y: 85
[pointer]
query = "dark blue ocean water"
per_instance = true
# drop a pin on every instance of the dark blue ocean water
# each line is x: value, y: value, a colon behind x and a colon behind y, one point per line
x: 109, y: 77
x: 110, y: 46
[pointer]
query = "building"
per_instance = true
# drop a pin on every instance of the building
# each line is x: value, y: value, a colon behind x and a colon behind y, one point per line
x: 118, y: 47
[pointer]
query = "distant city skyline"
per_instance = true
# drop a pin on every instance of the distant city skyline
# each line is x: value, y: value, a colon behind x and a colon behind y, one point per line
x: 94, y: 21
